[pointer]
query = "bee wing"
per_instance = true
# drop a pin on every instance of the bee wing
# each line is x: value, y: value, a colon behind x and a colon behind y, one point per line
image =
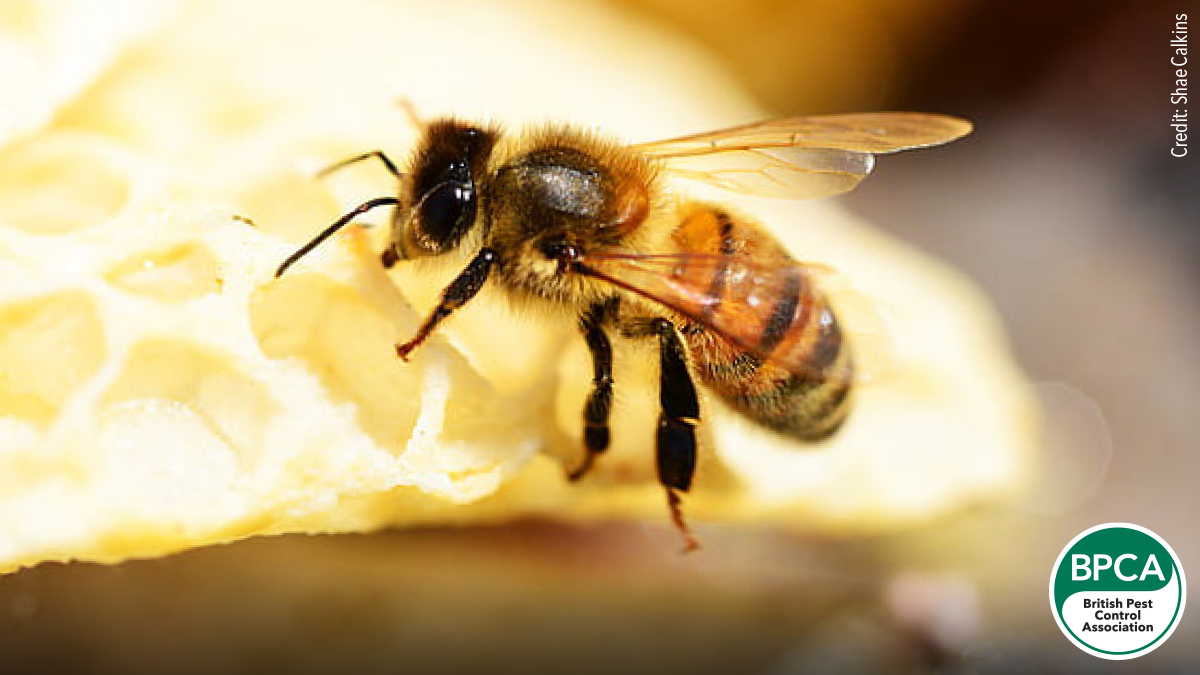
x: 755, y: 306
x: 800, y: 157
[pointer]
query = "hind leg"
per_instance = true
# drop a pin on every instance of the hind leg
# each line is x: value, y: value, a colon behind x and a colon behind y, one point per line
x: 675, y: 439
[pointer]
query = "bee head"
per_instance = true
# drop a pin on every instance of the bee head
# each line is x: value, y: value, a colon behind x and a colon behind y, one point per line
x: 440, y: 195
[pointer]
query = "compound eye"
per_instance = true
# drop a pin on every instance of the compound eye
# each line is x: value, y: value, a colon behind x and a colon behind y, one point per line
x: 446, y: 210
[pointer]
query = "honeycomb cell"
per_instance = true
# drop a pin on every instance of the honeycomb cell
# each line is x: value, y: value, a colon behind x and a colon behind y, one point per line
x: 57, y: 183
x: 348, y: 344
x: 165, y: 461
x: 181, y: 273
x: 49, y: 347
x: 208, y: 384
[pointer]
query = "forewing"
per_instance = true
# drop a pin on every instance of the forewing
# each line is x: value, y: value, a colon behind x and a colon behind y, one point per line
x: 800, y: 157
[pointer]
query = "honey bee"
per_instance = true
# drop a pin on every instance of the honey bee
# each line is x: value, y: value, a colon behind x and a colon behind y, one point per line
x: 587, y: 225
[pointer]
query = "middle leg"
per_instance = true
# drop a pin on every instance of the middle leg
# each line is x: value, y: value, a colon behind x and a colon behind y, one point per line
x: 596, y: 435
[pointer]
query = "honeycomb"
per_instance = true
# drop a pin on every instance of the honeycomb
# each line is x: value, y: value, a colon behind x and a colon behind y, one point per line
x: 160, y: 389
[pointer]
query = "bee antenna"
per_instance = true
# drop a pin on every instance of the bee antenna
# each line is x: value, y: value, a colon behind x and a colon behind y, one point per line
x: 337, y: 225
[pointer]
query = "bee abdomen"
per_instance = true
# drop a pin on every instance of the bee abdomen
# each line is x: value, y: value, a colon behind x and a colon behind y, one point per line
x: 809, y: 404
x: 797, y: 379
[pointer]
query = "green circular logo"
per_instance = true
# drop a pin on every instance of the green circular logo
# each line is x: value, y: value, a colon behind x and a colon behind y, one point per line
x: 1117, y: 591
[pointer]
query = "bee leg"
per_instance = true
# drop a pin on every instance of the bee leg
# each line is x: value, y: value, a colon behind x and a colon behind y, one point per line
x: 337, y: 166
x: 463, y: 288
x: 676, y: 437
x: 599, y: 401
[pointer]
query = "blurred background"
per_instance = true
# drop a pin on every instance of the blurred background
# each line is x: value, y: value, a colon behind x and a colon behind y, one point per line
x: 1068, y: 210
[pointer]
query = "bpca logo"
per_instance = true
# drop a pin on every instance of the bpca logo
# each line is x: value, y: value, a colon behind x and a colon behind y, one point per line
x: 1117, y: 591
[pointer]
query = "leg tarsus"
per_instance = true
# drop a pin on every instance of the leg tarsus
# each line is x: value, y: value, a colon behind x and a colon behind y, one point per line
x: 462, y: 289
x: 675, y: 504
x: 589, y: 459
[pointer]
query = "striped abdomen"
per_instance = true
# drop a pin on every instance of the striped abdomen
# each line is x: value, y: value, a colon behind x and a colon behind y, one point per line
x: 779, y: 357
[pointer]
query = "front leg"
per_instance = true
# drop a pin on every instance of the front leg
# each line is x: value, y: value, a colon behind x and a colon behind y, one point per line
x: 596, y: 411
x: 463, y: 288
x: 676, y: 437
